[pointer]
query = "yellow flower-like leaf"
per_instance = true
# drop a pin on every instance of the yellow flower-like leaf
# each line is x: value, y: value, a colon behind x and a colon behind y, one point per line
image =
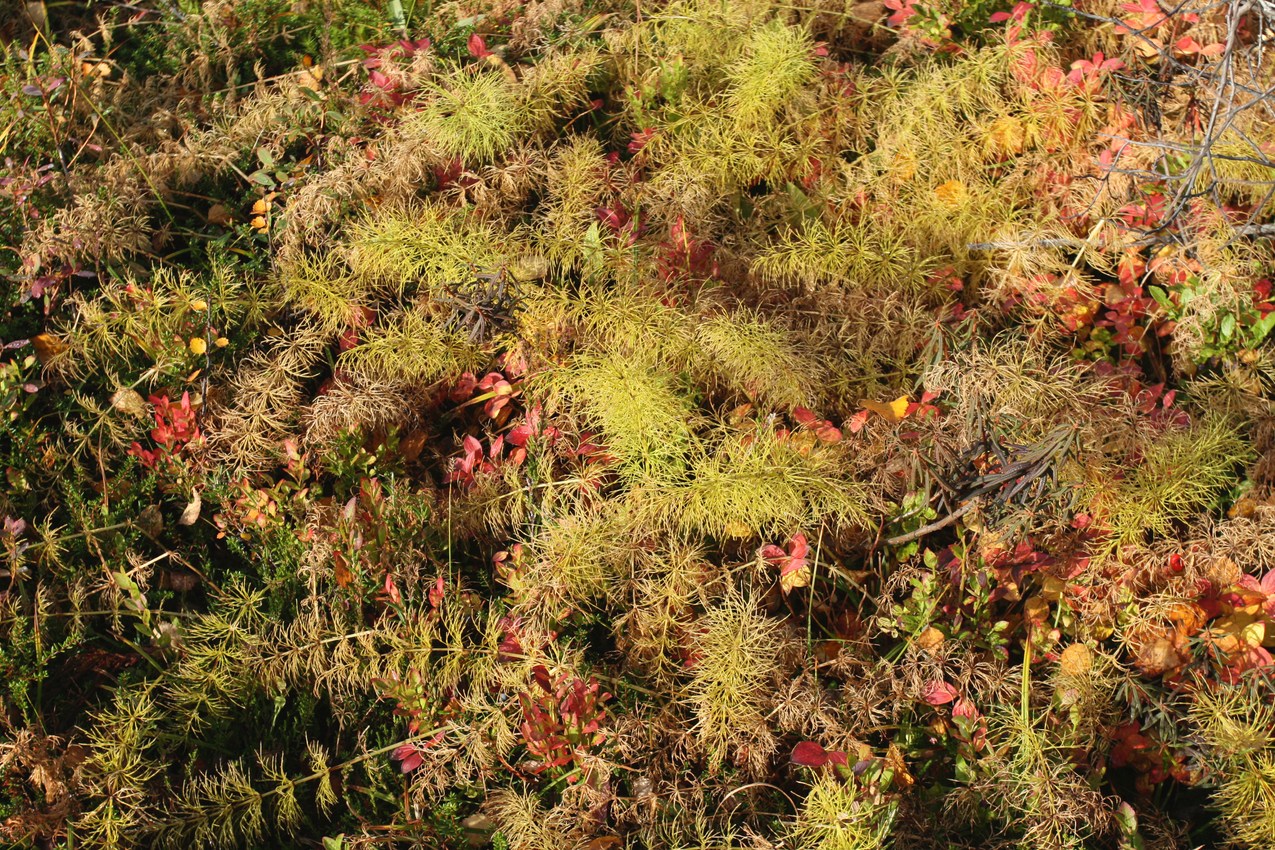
x: 791, y: 579
x: 952, y: 194
x: 1005, y: 136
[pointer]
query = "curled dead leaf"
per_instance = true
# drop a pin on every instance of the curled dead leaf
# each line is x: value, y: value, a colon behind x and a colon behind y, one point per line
x: 47, y: 346
x: 930, y: 639
x: 1076, y: 660
x: 219, y: 215
x: 191, y: 512
x: 129, y: 401
x: 1036, y: 610
x: 894, y: 761
x: 1158, y: 655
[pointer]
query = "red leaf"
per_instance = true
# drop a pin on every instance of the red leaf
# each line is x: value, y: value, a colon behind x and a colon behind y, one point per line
x: 798, y: 547
x: 771, y: 552
x: 805, y: 416
x: 828, y: 432
x: 939, y: 693
x: 639, y: 140
x: 407, y: 757
x: 809, y: 754
x: 478, y: 47
x: 520, y: 434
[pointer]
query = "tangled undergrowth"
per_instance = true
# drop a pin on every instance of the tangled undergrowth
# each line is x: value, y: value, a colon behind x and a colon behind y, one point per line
x: 595, y: 423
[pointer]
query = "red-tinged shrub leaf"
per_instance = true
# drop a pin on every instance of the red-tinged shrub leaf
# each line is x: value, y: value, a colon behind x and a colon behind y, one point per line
x: 478, y: 46
x: 771, y: 552
x: 809, y: 754
x: 464, y: 387
x: 828, y: 432
x: 407, y: 757
x: 939, y: 693
x: 520, y: 434
x: 805, y: 416
x: 799, y: 548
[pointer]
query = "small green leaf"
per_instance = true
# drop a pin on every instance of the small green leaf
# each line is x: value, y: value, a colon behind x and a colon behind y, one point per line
x: 1227, y: 328
x: 1262, y: 328
x: 125, y: 583
x: 1162, y: 298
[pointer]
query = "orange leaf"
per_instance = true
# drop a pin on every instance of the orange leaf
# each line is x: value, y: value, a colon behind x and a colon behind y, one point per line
x: 894, y: 411
x: 342, y: 570
x: 47, y: 346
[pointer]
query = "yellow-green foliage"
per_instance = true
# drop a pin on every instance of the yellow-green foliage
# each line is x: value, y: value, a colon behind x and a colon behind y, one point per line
x: 751, y: 482
x: 627, y: 319
x: 323, y: 287
x: 119, y: 768
x: 422, y: 248
x: 778, y: 61
x: 573, y: 561
x: 933, y: 130
x: 527, y: 825
x: 870, y: 256
x: 1237, y: 170
x: 1236, y: 725
x: 407, y: 347
x: 737, y: 657
x: 1234, y: 721
x: 666, y: 587
x: 150, y: 322
x: 1027, y: 784
x: 1245, y: 794
x: 1177, y: 475
x: 635, y: 404
x: 556, y: 84
x: 713, y: 79
x: 705, y: 162
x: 742, y: 350
x: 688, y: 45
x: 810, y: 228
x: 576, y: 177
x: 470, y: 114
x: 836, y: 816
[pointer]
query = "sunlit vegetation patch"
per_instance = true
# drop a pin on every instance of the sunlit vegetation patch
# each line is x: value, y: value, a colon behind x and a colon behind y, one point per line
x: 590, y: 424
